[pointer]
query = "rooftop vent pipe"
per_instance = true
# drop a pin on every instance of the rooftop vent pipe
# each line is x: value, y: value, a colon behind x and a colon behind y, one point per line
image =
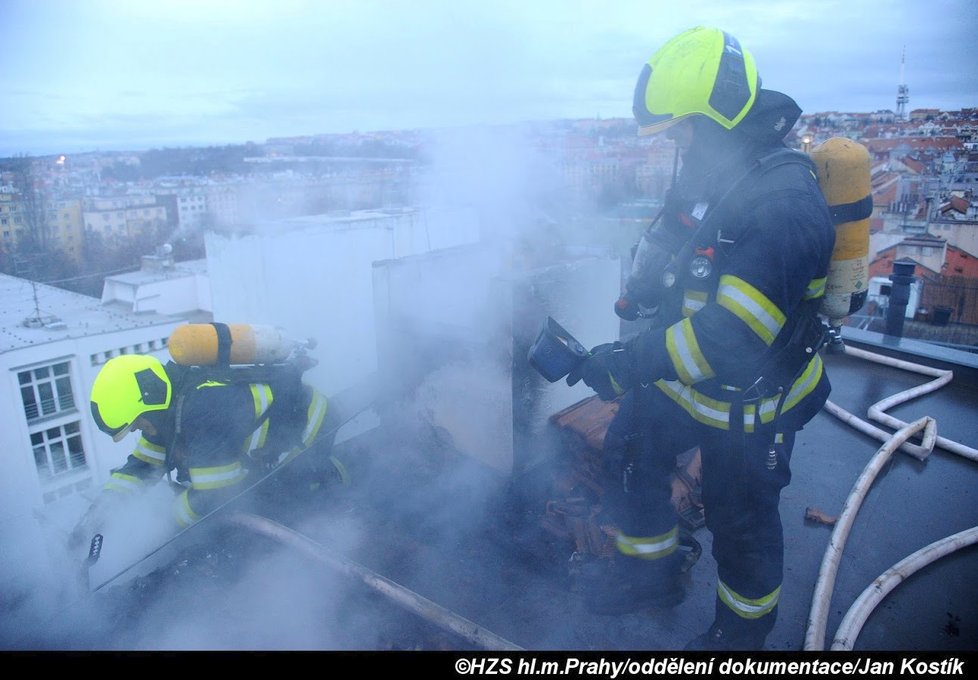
x: 902, y: 278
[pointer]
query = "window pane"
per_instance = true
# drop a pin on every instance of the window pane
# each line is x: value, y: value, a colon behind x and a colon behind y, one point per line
x: 61, y: 369
x: 46, y: 393
x: 24, y: 377
x: 66, y: 399
x: 76, y: 455
x: 41, y: 372
x: 58, y: 459
x: 71, y: 428
x: 41, y: 461
x: 37, y: 439
x: 30, y: 405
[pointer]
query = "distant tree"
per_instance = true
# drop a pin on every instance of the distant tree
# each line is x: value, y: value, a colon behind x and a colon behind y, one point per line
x: 105, y: 256
x: 34, y: 253
x: 35, y: 236
x: 122, y: 172
x: 194, y: 161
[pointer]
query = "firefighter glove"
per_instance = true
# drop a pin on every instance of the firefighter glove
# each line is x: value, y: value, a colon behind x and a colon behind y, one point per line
x: 93, y: 520
x: 607, y: 370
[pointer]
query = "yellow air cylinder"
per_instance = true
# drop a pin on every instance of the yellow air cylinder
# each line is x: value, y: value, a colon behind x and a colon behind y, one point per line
x: 204, y: 344
x: 843, y: 169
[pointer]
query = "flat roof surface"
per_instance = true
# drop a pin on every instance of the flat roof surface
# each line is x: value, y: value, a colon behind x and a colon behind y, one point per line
x: 58, y: 314
x: 174, y: 271
x: 440, y: 526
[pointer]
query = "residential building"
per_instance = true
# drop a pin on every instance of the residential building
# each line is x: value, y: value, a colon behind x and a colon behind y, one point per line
x: 66, y: 228
x: 123, y: 217
x: 57, y: 222
x: 190, y: 200
x: 946, y: 279
x: 961, y: 233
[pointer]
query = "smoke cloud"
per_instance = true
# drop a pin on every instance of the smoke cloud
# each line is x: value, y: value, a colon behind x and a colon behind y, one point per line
x: 444, y: 318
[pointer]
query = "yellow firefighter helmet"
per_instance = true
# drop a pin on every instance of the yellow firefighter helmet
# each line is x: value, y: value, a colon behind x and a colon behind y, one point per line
x: 702, y: 71
x: 127, y: 387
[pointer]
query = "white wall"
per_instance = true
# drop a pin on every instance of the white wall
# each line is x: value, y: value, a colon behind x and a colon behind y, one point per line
x: 316, y: 281
x: 963, y: 236
x: 312, y: 284
x: 881, y: 240
x: 181, y: 293
x: 171, y: 296
x: 26, y: 521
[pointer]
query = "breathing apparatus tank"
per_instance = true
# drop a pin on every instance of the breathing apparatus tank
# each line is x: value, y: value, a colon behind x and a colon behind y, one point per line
x: 208, y: 344
x: 843, y: 169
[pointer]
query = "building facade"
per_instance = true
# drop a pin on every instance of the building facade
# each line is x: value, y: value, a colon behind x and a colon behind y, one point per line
x: 52, y: 344
x: 124, y: 217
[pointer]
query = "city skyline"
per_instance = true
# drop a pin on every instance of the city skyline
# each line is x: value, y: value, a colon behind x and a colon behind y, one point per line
x: 108, y: 75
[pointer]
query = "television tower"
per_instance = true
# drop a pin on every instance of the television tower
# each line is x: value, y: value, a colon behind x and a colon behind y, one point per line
x: 903, y: 92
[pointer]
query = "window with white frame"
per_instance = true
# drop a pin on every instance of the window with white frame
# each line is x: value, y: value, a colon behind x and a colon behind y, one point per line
x: 55, y: 429
x: 46, y: 391
x: 58, y: 450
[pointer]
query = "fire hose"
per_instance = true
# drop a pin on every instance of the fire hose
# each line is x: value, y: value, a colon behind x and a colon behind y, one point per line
x: 886, y: 582
x: 426, y: 609
x: 815, y: 635
x: 878, y: 410
x: 854, y: 619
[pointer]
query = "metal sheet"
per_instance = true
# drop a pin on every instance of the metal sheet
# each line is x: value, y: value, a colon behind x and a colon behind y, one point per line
x: 454, y: 327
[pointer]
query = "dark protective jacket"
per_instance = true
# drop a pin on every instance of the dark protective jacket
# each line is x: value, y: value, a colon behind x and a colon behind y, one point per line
x: 748, y: 281
x: 216, y: 433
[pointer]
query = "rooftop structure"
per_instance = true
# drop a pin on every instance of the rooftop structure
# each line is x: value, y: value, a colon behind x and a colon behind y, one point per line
x: 431, y: 549
x: 35, y: 313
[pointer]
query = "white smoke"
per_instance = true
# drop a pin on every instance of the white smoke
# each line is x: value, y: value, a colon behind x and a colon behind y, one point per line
x: 433, y: 474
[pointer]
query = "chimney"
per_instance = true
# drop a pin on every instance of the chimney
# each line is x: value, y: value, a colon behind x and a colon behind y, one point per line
x: 902, y: 278
x: 160, y: 261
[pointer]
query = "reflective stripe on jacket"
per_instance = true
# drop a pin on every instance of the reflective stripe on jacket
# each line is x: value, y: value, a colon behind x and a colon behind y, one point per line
x: 768, y: 250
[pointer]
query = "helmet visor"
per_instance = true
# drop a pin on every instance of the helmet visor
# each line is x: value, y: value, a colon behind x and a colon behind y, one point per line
x: 649, y: 123
x: 117, y: 433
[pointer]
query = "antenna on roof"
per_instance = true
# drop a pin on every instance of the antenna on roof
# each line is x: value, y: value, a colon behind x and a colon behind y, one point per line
x: 25, y: 267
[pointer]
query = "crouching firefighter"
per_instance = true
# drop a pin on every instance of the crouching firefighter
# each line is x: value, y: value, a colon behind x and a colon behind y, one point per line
x: 730, y: 360
x: 219, y: 428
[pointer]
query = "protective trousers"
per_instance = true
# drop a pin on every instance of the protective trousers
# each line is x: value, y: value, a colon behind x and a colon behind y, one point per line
x: 742, y: 480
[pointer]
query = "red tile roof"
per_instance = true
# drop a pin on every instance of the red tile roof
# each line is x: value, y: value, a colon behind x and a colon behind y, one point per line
x: 914, y: 143
x: 957, y: 262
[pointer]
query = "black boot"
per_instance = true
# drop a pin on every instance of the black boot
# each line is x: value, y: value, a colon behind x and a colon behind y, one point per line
x: 721, y: 639
x: 628, y: 584
x: 730, y: 632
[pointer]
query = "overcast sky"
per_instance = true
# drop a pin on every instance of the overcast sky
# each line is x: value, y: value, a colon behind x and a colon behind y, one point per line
x: 79, y: 75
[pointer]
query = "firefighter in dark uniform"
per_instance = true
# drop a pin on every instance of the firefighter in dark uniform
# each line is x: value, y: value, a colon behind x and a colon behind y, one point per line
x: 215, y: 435
x: 735, y: 265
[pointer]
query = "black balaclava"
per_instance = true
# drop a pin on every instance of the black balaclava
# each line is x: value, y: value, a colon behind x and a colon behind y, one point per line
x: 717, y: 155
